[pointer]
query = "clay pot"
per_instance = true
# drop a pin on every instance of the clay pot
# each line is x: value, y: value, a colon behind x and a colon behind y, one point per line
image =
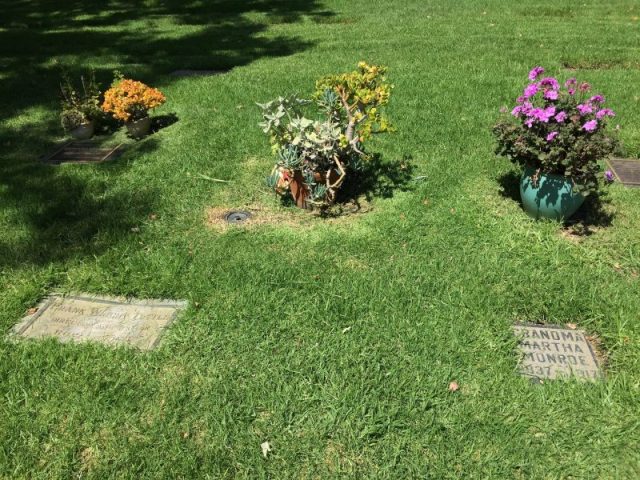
x: 299, y: 190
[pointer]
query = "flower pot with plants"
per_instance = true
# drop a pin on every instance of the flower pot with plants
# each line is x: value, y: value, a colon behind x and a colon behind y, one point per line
x: 558, y: 134
x: 316, y: 155
x: 80, y: 107
x: 130, y: 102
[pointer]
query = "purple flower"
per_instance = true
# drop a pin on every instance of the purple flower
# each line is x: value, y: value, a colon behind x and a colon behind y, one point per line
x: 520, y: 109
x: 608, y: 176
x: 570, y: 82
x: 584, y: 108
x: 541, y: 114
x: 531, y: 90
x: 572, y: 91
x: 533, y: 74
x: 605, y: 112
x: 520, y: 99
x: 597, y: 99
x: 550, y: 82
x: 561, y: 117
x: 590, y: 126
x: 551, y: 95
x: 585, y: 87
x: 547, y: 114
x: 551, y: 136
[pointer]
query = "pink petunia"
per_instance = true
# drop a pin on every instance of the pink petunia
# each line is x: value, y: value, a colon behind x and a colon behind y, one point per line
x: 551, y: 136
x: 561, y: 117
x: 590, y: 126
x: 551, y: 95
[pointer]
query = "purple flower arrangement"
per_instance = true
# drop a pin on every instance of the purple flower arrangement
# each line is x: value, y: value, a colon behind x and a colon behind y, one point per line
x: 558, y: 129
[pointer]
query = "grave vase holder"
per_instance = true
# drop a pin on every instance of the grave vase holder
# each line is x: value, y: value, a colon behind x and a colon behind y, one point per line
x: 83, y: 131
x: 139, y: 128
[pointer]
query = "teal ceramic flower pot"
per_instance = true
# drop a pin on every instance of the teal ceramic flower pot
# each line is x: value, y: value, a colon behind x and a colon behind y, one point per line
x: 549, y: 196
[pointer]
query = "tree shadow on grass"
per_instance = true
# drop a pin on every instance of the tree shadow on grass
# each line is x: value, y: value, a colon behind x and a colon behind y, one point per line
x: 64, y: 213
x: 594, y: 213
x: 51, y: 213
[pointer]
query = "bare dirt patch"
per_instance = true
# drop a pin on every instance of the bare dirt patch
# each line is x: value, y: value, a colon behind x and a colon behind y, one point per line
x: 260, y: 216
x: 289, y: 217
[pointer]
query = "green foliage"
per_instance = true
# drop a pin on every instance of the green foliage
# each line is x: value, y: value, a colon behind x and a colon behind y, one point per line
x: 79, y: 105
x: 349, y: 110
x: 360, y: 94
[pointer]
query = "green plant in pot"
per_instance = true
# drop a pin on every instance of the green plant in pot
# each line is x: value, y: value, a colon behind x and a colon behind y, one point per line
x: 80, y: 106
x: 316, y: 155
x: 558, y: 134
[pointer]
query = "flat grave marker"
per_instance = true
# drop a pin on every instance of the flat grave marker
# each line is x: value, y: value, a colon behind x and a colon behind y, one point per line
x: 627, y: 171
x: 81, y: 152
x: 113, y: 321
x: 552, y: 352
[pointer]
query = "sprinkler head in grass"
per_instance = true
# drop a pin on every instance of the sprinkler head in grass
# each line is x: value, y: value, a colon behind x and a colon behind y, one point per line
x: 237, y: 216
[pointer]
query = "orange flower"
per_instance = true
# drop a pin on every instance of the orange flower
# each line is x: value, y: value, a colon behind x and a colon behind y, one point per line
x: 131, y: 100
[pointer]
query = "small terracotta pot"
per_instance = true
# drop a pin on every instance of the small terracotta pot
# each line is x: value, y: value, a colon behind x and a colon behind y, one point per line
x: 299, y: 189
x: 84, y: 131
x: 139, y: 128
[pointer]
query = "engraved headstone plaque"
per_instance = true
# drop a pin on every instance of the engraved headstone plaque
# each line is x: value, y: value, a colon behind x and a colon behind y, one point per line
x: 552, y: 352
x: 114, y: 321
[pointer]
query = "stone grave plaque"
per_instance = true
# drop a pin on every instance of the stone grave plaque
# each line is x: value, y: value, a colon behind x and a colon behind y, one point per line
x: 113, y: 321
x: 550, y: 351
x: 626, y: 171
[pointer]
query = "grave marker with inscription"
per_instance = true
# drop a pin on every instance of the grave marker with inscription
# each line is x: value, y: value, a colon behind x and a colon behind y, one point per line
x: 554, y: 352
x: 114, y: 321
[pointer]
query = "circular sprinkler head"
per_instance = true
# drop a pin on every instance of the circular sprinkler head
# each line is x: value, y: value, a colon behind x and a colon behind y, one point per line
x: 237, y: 216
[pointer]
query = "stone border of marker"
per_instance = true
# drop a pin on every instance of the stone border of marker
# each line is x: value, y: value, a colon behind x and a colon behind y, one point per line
x: 105, y: 315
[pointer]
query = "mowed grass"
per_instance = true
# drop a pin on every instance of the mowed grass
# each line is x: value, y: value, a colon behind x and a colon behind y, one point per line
x: 334, y: 340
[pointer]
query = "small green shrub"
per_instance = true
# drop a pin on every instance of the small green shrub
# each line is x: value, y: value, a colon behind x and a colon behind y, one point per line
x: 316, y: 155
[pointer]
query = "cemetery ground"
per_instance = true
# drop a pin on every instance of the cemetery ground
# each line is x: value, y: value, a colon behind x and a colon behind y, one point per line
x: 335, y: 340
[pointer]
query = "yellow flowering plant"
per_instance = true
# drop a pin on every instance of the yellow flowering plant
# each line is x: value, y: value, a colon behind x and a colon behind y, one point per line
x: 129, y: 100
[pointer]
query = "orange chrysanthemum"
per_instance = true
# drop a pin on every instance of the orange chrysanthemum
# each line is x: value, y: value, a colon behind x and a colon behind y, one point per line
x: 131, y: 100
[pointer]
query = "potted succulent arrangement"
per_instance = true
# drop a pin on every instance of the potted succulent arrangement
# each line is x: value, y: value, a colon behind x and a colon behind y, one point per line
x: 80, y: 107
x: 316, y: 155
x: 558, y: 134
x: 130, y: 101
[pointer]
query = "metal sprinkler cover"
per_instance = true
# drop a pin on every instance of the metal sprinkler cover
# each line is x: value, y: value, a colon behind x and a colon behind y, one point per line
x: 237, y: 216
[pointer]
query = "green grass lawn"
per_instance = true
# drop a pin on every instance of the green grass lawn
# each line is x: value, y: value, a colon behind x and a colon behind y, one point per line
x: 333, y: 339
